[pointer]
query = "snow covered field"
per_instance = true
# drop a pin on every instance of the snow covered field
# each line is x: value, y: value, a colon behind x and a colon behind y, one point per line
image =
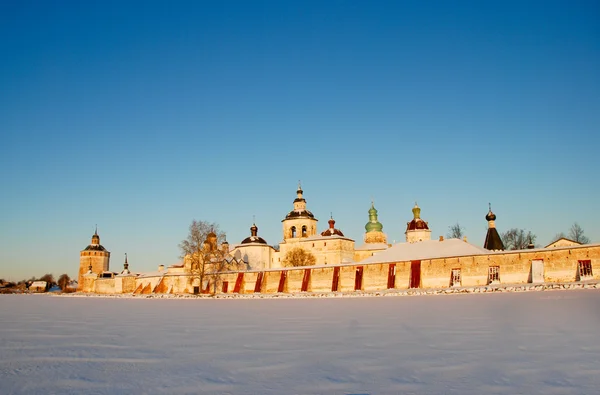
x: 509, y: 343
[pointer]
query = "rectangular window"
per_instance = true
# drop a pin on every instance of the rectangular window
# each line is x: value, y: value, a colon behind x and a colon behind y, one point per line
x: 585, y: 270
x: 455, y: 279
x: 494, y: 275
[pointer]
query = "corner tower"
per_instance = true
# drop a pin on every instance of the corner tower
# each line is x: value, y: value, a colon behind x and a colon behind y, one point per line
x: 299, y: 223
x: 94, y: 258
x: 417, y: 229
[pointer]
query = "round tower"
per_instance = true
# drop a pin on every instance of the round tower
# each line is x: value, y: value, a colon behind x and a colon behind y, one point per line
x: 94, y: 258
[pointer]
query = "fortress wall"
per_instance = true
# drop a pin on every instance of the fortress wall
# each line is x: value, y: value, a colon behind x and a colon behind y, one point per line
x: 476, y: 273
x: 375, y: 277
x: 249, y: 282
x: 560, y: 265
x: 346, y: 281
x: 402, y: 275
x: 320, y: 279
x: 294, y: 280
x: 88, y: 283
x: 104, y: 286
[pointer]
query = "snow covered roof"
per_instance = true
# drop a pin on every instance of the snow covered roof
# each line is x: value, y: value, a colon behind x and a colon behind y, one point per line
x: 372, y: 246
x: 427, y: 249
x: 325, y: 238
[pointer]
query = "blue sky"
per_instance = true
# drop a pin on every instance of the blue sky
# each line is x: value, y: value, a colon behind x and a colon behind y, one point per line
x: 141, y: 116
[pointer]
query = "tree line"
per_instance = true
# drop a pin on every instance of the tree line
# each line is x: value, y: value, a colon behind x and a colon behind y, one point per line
x: 63, y: 282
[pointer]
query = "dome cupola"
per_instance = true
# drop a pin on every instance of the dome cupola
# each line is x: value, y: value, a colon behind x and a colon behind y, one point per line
x: 417, y: 229
x: 417, y: 223
x: 254, y: 238
x: 332, y: 230
x: 373, y: 225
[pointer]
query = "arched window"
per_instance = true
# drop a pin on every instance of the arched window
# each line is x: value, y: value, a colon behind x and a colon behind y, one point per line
x: 303, y: 230
x: 293, y: 231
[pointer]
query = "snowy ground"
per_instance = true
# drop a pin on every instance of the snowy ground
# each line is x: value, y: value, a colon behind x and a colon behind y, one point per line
x: 502, y: 343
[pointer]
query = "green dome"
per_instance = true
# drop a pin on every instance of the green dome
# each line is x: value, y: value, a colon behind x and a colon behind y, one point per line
x: 373, y: 225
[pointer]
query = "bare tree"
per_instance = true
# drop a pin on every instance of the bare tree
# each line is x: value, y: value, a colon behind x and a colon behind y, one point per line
x: 455, y: 231
x: 63, y: 281
x: 298, y: 257
x: 517, y: 239
x: 576, y: 234
x: 200, y: 251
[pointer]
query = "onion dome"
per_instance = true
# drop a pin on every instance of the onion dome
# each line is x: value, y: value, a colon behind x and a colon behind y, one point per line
x: 373, y: 225
x: 417, y: 223
x: 254, y: 238
x: 332, y: 230
x: 490, y: 216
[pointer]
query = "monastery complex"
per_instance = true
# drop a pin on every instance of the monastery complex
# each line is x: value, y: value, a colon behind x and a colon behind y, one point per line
x: 337, y: 265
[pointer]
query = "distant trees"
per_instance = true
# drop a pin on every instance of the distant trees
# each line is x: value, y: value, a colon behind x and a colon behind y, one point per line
x: 455, y: 231
x: 517, y: 239
x: 298, y: 256
x: 63, y: 281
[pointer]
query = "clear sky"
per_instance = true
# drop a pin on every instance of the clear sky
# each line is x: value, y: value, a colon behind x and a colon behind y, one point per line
x: 141, y: 116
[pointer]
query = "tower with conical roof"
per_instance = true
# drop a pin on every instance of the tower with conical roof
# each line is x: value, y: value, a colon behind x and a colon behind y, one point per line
x: 374, y: 228
x: 94, y: 258
x: 492, y: 238
x: 417, y: 229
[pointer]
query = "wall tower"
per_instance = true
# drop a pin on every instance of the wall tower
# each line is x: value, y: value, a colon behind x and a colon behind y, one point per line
x: 94, y: 258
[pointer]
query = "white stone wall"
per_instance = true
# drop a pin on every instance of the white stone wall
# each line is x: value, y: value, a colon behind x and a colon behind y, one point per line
x: 413, y: 236
x: 257, y: 255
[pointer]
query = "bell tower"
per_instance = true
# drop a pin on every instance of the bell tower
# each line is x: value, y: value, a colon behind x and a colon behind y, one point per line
x: 299, y: 223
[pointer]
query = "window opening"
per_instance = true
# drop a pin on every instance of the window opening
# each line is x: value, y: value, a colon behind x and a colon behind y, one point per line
x: 585, y: 270
x: 494, y: 275
x: 455, y: 279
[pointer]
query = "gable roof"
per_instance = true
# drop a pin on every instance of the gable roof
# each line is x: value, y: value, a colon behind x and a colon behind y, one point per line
x: 563, y: 239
